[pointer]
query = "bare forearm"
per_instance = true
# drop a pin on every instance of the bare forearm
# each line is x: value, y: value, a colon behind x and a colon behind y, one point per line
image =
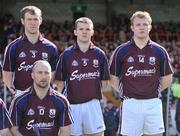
x: 165, y: 82
x: 59, y: 85
x: 8, y: 80
x: 5, y: 132
x: 105, y: 84
x: 64, y: 131
x: 15, y: 131
x: 114, y: 82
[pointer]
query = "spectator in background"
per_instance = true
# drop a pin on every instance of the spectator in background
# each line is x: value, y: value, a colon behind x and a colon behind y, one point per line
x: 25, y: 50
x: 40, y: 110
x: 140, y: 70
x: 111, y: 119
x: 176, y: 93
x: 81, y: 71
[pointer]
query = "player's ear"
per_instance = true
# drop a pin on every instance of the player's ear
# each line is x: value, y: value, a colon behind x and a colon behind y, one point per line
x: 75, y: 32
x: 32, y: 75
x: 132, y: 28
x: 150, y: 27
x: 92, y: 32
x: 40, y: 20
x: 22, y: 21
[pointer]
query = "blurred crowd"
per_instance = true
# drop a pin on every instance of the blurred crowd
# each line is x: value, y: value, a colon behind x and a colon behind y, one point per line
x: 106, y: 37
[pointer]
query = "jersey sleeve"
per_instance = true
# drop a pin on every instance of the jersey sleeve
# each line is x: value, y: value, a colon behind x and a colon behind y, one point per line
x: 9, y: 58
x: 61, y: 69
x: 115, y: 63
x: 54, y: 58
x: 16, y: 112
x: 105, y: 73
x: 65, y: 116
x: 165, y: 64
x: 5, y: 120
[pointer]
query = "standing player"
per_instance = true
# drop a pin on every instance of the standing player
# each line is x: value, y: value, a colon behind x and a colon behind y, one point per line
x: 81, y: 70
x: 5, y: 121
x: 25, y: 50
x: 40, y: 110
x: 140, y: 70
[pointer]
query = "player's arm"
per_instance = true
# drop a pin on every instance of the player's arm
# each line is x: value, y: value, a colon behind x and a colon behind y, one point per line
x: 53, y: 75
x: 59, y: 85
x: 8, y: 80
x: 115, y: 82
x: 165, y: 81
x: 5, y: 132
x: 105, y: 84
x: 64, y: 131
x: 15, y: 131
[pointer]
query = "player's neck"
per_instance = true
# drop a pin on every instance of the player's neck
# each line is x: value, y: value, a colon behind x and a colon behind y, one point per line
x: 141, y: 42
x: 41, y: 92
x: 33, y: 38
x: 84, y: 46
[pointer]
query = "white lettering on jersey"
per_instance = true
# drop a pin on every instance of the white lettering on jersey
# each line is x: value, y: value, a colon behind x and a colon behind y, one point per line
x: 33, y: 52
x: 143, y: 72
x: 43, y: 125
x: 83, y: 76
x: 24, y: 67
x: 141, y: 58
x: 152, y: 60
x: 41, y: 110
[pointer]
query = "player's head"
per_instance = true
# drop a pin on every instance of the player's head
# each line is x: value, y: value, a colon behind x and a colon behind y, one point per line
x: 84, y: 29
x: 84, y: 20
x: 141, y: 14
x: 33, y: 10
x: 31, y: 18
x: 141, y: 24
x: 41, y: 73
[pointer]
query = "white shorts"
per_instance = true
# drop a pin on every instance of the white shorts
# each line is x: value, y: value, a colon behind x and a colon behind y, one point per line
x: 88, y: 118
x: 142, y: 117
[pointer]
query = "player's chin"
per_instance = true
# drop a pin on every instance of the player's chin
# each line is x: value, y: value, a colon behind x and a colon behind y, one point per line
x: 43, y: 85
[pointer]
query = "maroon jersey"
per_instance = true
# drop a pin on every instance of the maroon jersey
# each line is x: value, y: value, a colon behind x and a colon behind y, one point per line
x: 5, y: 121
x: 140, y: 70
x: 30, y: 113
x: 20, y: 56
x: 82, y: 73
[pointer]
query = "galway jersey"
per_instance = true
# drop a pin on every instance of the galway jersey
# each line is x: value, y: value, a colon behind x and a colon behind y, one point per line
x: 140, y: 70
x: 44, y: 116
x: 5, y: 121
x: 20, y: 56
x: 82, y: 73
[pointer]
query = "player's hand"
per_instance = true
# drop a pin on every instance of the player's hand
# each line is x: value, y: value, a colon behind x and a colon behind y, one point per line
x: 12, y: 90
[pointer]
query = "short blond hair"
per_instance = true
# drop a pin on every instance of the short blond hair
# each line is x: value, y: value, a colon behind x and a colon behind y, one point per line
x: 33, y: 10
x: 141, y: 14
x: 85, y: 20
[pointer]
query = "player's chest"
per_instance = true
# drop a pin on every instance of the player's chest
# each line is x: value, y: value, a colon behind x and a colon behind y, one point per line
x: 140, y: 59
x: 28, y: 53
x: 41, y: 110
x: 83, y: 62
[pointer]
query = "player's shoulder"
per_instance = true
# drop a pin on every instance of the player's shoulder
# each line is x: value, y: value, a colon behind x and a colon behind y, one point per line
x: 98, y: 50
x: 58, y: 96
x: 48, y: 43
x: 125, y: 45
x: 15, y: 43
x: 22, y: 95
x: 157, y: 47
x: 68, y: 51
x: 123, y: 48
